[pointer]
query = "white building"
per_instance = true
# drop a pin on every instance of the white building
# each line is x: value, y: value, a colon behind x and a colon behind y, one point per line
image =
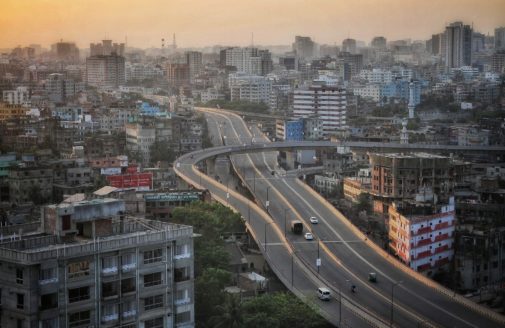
x: 377, y: 75
x: 105, y: 71
x: 329, y: 104
x: 248, y: 60
x: 370, y: 91
x: 19, y: 96
x: 211, y: 94
x: 140, y: 138
x: 251, y: 88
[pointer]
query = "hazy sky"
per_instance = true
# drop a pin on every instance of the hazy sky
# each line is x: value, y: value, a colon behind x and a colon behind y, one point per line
x: 230, y: 22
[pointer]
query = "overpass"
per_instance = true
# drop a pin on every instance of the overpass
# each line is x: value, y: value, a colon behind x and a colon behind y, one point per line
x: 346, y: 253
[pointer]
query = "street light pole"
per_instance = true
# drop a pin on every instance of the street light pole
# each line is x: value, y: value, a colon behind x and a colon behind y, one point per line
x: 392, y: 300
x: 267, y: 202
x: 285, y: 210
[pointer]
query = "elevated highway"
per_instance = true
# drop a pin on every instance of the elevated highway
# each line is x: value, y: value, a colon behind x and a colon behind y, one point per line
x: 401, y: 298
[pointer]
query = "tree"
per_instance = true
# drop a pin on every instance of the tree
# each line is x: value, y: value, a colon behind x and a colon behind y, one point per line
x: 161, y: 151
x: 229, y: 313
x: 209, y: 292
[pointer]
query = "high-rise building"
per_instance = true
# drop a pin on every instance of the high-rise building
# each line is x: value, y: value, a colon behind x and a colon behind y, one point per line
x: 353, y: 61
x: 194, y: 61
x: 290, y: 62
x: 436, y: 40
x: 19, y: 96
x: 66, y: 51
x: 178, y: 74
x: 105, y: 70
x: 251, y: 88
x: 379, y: 42
x: 499, y: 38
x: 90, y: 265
x: 106, y: 48
x: 349, y: 45
x: 326, y: 103
x: 304, y: 47
x: 59, y: 88
x: 458, y: 43
x: 498, y: 62
x: 247, y: 60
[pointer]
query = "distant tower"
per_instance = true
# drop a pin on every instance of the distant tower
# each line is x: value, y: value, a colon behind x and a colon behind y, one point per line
x: 413, y: 98
x: 162, y: 46
x: 404, y: 136
x: 174, y: 44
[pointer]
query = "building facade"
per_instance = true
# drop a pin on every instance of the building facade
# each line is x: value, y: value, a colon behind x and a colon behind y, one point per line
x: 329, y: 104
x: 458, y: 43
x: 105, y: 70
x: 96, y: 267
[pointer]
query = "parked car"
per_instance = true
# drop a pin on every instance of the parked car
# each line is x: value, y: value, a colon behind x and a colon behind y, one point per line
x: 313, y: 220
x: 309, y: 236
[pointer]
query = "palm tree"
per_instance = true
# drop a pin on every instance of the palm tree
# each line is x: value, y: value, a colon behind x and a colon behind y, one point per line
x: 230, y: 313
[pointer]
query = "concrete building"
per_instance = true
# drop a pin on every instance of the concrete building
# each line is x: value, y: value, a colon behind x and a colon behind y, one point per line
x: 106, y: 48
x: 66, y: 52
x: 498, y: 62
x: 421, y: 233
x: 458, y: 43
x: 326, y: 103
x: 379, y: 42
x: 60, y: 89
x: 89, y: 265
x: 499, y: 39
x: 8, y: 112
x: 349, y: 45
x: 289, y: 130
x: 290, y: 62
x: 19, y: 96
x: 30, y: 184
x: 247, y: 60
x: 139, y: 139
x: 304, y: 47
x: 105, y: 70
x: 251, y: 88
x: 177, y: 74
x: 400, y: 177
x: 194, y: 61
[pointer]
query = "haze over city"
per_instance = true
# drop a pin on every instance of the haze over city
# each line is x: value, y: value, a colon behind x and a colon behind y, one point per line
x: 245, y: 164
x: 202, y: 23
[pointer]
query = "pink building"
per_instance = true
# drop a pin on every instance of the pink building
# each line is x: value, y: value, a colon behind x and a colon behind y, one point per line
x: 422, y: 234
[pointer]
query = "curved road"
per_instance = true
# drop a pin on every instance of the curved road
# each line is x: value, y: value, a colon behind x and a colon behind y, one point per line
x: 346, y: 256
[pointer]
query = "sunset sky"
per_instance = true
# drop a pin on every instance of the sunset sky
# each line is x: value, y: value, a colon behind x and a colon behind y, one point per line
x: 208, y: 22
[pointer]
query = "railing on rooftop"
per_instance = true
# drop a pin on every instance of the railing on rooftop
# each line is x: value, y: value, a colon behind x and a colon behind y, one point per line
x: 50, y: 250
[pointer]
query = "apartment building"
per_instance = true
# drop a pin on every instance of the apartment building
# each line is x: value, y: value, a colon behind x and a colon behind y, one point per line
x: 421, y: 233
x: 328, y: 104
x: 89, y: 265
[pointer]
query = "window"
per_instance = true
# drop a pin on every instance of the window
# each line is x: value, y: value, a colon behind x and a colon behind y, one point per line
x: 128, y: 261
x: 181, y: 274
x: 152, y: 279
x: 154, y: 323
x: 128, y: 285
x: 78, y: 269
x: 182, y: 251
x: 182, y: 317
x: 19, y: 276
x: 153, y: 256
x: 153, y: 302
x: 47, y: 275
x: 65, y: 222
x: 20, y: 301
x: 109, y: 264
x: 109, y: 312
x: 109, y: 289
x: 49, y: 301
x: 20, y: 323
x: 78, y: 294
x: 128, y: 308
x: 49, y: 323
x: 79, y: 319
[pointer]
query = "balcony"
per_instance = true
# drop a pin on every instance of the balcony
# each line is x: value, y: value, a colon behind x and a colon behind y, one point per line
x: 110, y: 271
x: 110, y: 317
x: 128, y: 267
x: 441, y: 249
x: 442, y: 237
x: 182, y: 301
x: 424, y: 242
x: 129, y: 314
x: 48, y: 281
x: 423, y: 255
x: 422, y: 230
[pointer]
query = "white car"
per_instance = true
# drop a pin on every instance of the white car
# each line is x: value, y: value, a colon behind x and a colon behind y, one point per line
x: 309, y: 236
x: 313, y: 220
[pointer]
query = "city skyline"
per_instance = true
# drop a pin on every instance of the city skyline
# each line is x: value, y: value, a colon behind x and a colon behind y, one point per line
x: 231, y: 23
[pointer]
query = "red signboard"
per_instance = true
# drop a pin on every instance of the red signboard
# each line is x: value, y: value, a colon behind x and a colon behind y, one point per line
x: 135, y: 180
